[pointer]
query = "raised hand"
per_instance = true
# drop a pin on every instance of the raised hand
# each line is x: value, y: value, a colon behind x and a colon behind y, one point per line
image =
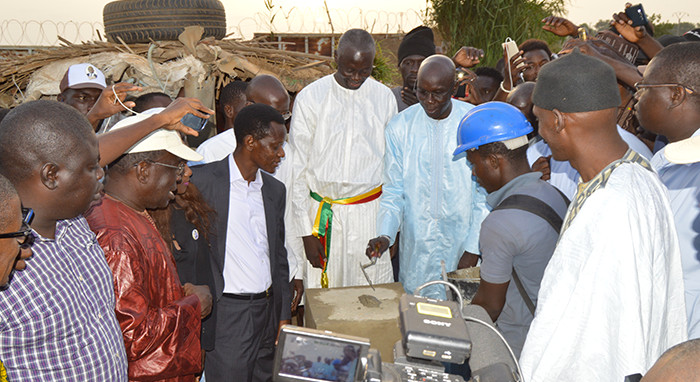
x: 468, y: 56
x: 560, y: 26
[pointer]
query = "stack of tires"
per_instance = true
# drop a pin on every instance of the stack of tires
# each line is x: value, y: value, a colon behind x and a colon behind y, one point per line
x: 138, y: 21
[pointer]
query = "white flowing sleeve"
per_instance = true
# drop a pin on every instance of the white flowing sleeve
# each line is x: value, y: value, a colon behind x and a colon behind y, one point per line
x: 302, y: 129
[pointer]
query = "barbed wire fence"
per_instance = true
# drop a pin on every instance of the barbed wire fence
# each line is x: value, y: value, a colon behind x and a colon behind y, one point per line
x: 17, y: 33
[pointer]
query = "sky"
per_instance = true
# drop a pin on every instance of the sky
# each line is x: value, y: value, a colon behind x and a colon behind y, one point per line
x: 247, y: 17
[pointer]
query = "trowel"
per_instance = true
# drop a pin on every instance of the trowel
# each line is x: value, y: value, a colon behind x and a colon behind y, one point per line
x: 363, y: 267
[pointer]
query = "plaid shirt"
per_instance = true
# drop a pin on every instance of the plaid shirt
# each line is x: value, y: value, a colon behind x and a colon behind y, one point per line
x: 57, y: 320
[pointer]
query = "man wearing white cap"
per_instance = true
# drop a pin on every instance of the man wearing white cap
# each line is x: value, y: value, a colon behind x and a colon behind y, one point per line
x: 159, y: 318
x: 84, y: 87
x: 81, y: 86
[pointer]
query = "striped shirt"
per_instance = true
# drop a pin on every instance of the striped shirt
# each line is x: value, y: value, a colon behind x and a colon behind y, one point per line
x: 57, y: 320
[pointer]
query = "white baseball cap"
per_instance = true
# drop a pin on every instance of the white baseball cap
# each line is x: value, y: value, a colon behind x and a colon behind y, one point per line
x: 684, y: 151
x: 83, y: 76
x: 161, y: 139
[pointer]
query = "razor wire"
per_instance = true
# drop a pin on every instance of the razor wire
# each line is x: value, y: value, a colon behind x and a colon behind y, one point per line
x: 320, y: 20
x: 14, y: 32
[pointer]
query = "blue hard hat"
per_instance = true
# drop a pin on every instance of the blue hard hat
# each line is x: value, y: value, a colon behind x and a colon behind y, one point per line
x: 491, y: 122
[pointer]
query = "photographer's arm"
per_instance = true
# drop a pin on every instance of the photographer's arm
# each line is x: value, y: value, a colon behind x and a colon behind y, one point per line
x: 491, y: 297
x: 107, y: 105
x: 560, y: 26
x: 512, y: 75
x: 115, y: 142
x: 625, y: 72
x: 468, y: 56
x: 637, y: 35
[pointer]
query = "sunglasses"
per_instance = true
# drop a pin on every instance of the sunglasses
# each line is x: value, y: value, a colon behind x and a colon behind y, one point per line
x: 25, y: 233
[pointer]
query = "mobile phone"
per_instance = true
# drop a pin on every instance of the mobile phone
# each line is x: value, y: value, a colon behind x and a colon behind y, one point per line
x: 461, y: 91
x: 637, y: 15
x: 191, y: 120
x: 511, y: 48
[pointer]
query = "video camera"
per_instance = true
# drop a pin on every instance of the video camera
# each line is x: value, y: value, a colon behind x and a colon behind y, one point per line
x: 433, y: 333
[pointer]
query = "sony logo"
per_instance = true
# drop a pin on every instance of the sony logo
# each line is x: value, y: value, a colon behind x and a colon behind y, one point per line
x: 437, y: 323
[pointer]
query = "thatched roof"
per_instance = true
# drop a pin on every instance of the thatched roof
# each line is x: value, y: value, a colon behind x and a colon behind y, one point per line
x: 159, y: 66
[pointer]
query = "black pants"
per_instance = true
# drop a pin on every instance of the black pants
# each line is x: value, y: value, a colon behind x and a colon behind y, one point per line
x: 244, y: 348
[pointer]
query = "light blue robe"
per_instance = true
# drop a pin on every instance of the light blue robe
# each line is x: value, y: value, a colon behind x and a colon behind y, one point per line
x: 429, y: 195
x: 683, y: 183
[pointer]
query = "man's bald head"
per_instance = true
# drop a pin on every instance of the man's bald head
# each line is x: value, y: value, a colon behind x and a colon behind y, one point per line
x: 270, y: 91
x: 39, y: 132
x: 437, y: 66
x: 435, y: 86
x: 680, y: 363
x: 355, y: 40
x: 521, y: 97
x: 354, y: 58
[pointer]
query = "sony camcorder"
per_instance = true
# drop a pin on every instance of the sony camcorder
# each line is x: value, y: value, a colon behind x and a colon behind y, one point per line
x: 433, y: 333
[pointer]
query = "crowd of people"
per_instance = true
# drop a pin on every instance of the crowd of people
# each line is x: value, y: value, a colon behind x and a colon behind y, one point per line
x: 572, y: 180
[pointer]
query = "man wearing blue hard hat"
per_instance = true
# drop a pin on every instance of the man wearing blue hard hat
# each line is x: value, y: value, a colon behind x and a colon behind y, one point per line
x: 519, y: 235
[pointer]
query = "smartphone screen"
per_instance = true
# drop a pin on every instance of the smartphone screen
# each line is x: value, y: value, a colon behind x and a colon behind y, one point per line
x: 637, y: 15
x: 191, y: 120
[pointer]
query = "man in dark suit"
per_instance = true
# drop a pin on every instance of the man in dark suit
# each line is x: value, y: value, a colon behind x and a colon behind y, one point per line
x: 250, y: 262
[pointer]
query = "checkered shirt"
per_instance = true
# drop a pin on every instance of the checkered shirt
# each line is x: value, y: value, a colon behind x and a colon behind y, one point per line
x: 57, y: 320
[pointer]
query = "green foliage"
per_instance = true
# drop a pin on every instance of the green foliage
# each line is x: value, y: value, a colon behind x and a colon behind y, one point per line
x: 675, y: 29
x: 384, y: 71
x: 485, y: 24
x: 601, y: 25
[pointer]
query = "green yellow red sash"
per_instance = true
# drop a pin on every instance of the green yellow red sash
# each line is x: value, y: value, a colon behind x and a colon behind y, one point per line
x: 324, y: 221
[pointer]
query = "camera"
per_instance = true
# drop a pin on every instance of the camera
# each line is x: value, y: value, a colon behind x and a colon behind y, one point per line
x: 433, y: 333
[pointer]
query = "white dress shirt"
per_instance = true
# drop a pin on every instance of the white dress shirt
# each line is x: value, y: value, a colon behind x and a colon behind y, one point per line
x: 217, y: 147
x: 247, y: 263
x: 222, y: 145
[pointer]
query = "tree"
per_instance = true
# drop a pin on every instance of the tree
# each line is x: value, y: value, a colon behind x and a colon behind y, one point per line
x: 485, y: 24
x: 602, y: 25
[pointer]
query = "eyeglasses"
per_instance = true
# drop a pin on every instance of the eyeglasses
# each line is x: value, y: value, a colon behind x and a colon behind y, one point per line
x: 180, y: 167
x: 640, y: 85
x: 25, y: 232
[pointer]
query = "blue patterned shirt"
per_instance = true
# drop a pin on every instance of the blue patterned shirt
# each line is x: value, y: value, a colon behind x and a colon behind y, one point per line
x: 57, y: 320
